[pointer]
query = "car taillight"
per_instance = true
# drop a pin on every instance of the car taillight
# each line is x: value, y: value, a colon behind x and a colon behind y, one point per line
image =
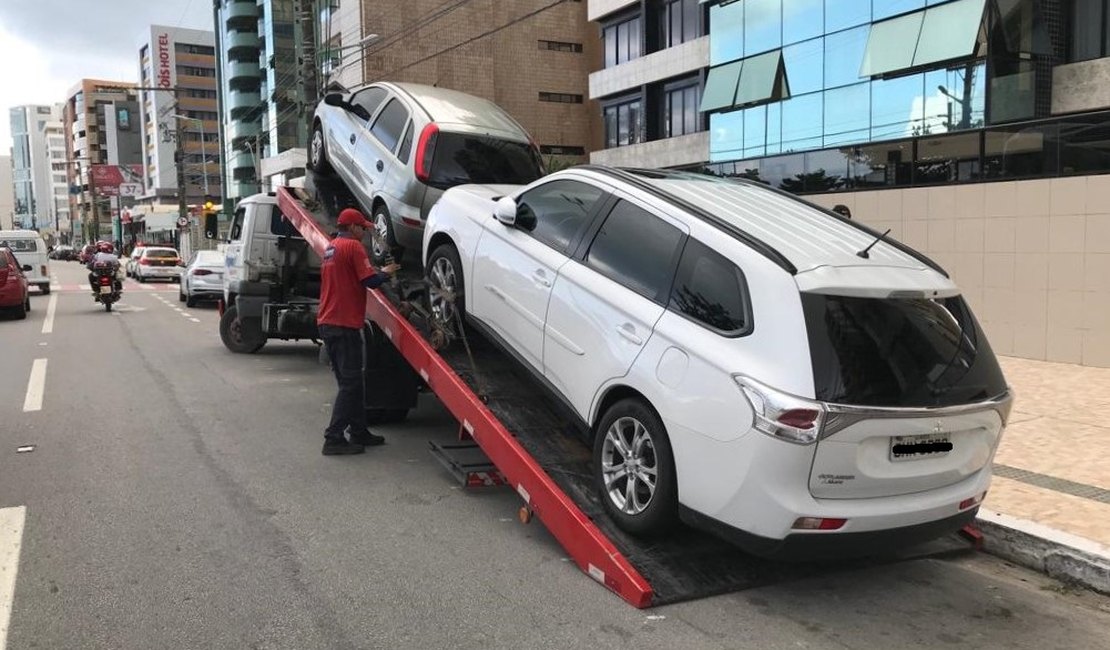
x: 144, y: 261
x: 425, y: 149
x: 818, y: 523
x: 202, y: 272
x: 973, y: 501
x: 781, y: 415
x: 105, y: 280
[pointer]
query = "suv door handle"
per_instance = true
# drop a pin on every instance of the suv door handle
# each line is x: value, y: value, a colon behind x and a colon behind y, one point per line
x: 540, y: 278
x: 380, y: 165
x: 629, y: 333
x: 352, y: 138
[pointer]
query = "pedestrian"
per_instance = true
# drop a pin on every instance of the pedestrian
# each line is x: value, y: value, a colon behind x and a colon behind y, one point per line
x: 842, y: 210
x: 346, y: 274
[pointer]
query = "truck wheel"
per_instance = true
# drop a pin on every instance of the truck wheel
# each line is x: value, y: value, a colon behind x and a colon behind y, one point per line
x: 386, y: 416
x: 383, y: 243
x: 45, y: 288
x: 317, y: 155
x: 634, y: 469
x: 241, y: 335
x: 446, y: 279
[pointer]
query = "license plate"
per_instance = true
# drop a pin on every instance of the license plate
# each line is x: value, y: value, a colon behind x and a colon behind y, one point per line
x: 917, y: 447
x: 106, y: 289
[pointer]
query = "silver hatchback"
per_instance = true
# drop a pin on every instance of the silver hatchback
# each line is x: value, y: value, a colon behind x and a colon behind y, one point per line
x: 398, y: 146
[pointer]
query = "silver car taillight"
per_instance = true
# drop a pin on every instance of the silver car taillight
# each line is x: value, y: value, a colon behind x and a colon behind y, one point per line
x: 782, y: 415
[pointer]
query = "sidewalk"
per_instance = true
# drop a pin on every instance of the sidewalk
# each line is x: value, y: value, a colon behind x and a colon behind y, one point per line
x: 1052, y: 470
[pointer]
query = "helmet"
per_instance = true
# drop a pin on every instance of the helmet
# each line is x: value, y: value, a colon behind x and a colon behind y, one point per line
x: 104, y: 247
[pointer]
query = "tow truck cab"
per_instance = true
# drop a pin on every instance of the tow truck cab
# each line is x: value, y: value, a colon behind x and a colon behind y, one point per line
x: 271, y: 278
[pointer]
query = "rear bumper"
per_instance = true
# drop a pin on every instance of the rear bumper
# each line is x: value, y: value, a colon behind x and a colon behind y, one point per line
x: 11, y: 297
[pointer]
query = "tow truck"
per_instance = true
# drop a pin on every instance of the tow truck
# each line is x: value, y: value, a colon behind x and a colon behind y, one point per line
x: 511, y: 433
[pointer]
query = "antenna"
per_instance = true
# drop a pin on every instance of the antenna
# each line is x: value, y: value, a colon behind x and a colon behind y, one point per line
x: 864, y: 254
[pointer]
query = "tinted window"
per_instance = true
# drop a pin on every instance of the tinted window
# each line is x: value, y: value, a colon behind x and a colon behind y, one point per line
x: 554, y: 213
x: 280, y: 226
x: 3, y: 259
x: 387, y: 128
x: 367, y: 101
x: 898, y: 352
x: 21, y: 245
x: 406, y: 144
x: 164, y: 253
x: 635, y: 248
x: 711, y: 290
x: 461, y: 158
x: 236, y: 230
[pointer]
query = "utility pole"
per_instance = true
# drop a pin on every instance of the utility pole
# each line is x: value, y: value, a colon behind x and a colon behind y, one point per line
x: 178, y: 154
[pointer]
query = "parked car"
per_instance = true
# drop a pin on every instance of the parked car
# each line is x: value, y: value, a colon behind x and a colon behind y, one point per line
x: 398, y: 146
x: 766, y: 369
x: 14, y: 294
x: 156, y: 262
x: 203, y: 278
x: 62, y: 252
x: 30, y: 250
x: 132, y: 261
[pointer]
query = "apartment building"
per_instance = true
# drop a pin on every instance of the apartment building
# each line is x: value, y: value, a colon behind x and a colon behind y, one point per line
x: 184, y: 59
x: 90, y: 105
x: 38, y: 169
x: 975, y: 130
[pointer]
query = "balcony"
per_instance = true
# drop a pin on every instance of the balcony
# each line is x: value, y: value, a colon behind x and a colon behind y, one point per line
x: 241, y: 130
x: 240, y: 189
x: 241, y: 14
x: 242, y: 74
x: 241, y: 160
x: 240, y: 102
x: 247, y: 41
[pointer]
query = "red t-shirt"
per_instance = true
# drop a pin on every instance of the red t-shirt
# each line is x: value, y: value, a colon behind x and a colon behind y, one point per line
x: 342, y: 296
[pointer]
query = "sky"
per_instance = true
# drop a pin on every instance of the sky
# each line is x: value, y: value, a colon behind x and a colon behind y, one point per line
x: 47, y: 46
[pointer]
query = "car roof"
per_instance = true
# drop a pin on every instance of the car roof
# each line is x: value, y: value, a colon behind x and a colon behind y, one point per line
x: 20, y: 234
x: 159, y: 248
x: 797, y: 235
x: 452, y: 107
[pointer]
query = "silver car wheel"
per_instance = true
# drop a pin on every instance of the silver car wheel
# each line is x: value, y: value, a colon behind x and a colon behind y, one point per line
x: 629, y: 465
x: 444, y: 285
x: 380, y: 240
x: 317, y: 147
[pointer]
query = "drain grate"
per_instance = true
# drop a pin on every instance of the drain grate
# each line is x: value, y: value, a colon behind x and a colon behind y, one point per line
x: 1081, y: 490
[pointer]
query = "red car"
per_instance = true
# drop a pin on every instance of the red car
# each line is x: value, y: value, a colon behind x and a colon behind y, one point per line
x: 13, y: 284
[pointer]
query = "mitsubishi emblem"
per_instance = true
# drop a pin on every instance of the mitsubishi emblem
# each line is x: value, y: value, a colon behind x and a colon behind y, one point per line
x: 937, y: 429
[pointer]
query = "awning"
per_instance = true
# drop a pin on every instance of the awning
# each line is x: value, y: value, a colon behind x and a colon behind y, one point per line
x: 940, y: 33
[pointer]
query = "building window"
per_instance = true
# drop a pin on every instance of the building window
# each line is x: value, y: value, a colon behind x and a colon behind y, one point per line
x: 561, y: 46
x: 624, y: 123
x: 195, y: 71
x: 1089, y: 33
x: 561, y: 150
x: 681, y: 22
x: 561, y: 98
x: 622, y: 41
x: 680, y: 110
x: 186, y: 48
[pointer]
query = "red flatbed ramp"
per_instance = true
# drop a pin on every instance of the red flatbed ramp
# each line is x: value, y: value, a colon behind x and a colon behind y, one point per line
x: 546, y: 461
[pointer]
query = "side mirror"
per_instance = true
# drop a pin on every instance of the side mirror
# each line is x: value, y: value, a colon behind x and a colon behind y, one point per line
x: 335, y: 99
x: 26, y: 267
x: 505, y: 210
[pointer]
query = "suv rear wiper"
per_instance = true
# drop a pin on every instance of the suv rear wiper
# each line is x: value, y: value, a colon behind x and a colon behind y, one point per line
x: 864, y: 254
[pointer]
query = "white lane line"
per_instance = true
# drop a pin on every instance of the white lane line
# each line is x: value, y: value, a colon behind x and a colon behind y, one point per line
x: 179, y: 310
x: 195, y: 320
x: 48, y: 324
x: 35, y: 386
x: 11, y: 538
x: 186, y: 314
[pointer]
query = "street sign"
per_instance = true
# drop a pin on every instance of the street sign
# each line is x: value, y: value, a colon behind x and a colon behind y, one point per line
x: 182, y: 222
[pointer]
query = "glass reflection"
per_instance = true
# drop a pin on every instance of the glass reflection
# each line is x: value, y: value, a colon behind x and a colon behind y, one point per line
x: 726, y: 135
x: 881, y: 164
x: 801, y: 20
x: 825, y: 170
x: 846, y: 120
x: 897, y: 107
x: 805, y: 66
x: 762, y: 25
x: 947, y: 158
x: 774, y: 128
x: 801, y: 122
x: 727, y: 40
x: 842, y: 14
x: 955, y: 98
x: 888, y: 8
x: 1018, y: 152
x: 775, y: 171
x: 843, y: 56
x: 755, y: 131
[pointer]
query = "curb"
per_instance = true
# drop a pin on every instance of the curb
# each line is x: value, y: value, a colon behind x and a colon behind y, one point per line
x: 1057, y: 554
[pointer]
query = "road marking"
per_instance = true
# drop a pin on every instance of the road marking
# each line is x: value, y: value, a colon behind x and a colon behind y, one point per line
x: 48, y: 324
x: 11, y: 538
x: 195, y: 320
x: 179, y: 310
x: 35, y: 385
x: 186, y: 314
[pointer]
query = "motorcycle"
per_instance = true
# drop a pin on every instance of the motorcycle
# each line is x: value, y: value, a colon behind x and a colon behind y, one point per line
x: 106, y: 288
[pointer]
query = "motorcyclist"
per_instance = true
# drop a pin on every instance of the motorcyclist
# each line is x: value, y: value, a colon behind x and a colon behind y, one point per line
x: 103, y: 258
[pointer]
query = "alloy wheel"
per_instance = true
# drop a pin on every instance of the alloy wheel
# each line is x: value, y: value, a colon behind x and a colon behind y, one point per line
x: 317, y: 147
x: 380, y: 239
x: 629, y: 465
x: 444, y: 284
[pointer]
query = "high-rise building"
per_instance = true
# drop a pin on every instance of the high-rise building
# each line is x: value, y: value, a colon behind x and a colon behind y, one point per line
x: 35, y: 154
x: 185, y: 59
x: 977, y: 131
x: 86, y: 144
x: 7, y: 193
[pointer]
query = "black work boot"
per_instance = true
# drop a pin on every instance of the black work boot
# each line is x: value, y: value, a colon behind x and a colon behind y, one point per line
x: 367, y: 439
x: 341, y: 448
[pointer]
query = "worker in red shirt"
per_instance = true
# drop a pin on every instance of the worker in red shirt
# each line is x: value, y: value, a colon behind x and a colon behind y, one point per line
x: 346, y: 275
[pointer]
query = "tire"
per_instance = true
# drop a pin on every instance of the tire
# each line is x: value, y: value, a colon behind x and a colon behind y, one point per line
x: 444, y: 273
x: 21, y: 310
x: 190, y: 301
x: 652, y: 510
x: 140, y: 278
x: 317, y: 153
x: 241, y: 336
x: 108, y: 306
x: 45, y: 289
x: 181, y: 296
x: 386, y: 416
x: 383, y: 242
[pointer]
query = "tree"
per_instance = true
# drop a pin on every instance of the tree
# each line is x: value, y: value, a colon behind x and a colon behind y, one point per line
x: 817, y: 181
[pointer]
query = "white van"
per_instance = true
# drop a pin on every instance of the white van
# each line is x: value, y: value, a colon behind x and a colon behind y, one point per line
x: 30, y: 249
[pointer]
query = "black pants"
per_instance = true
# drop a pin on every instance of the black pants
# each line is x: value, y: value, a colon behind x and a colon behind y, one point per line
x: 344, y: 346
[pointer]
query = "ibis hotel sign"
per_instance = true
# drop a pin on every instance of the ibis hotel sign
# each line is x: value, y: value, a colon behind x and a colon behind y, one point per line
x: 164, y: 61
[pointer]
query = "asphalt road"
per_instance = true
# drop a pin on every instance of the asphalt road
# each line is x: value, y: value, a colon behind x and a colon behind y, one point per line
x: 176, y: 498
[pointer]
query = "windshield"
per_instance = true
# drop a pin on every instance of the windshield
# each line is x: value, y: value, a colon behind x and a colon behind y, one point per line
x: 898, y: 352
x: 164, y: 253
x: 21, y: 245
x: 3, y: 261
x: 462, y: 158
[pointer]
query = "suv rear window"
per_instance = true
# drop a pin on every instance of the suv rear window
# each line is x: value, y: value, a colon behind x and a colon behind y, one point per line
x: 21, y: 245
x: 907, y: 352
x: 3, y: 259
x: 161, y: 254
x: 462, y: 158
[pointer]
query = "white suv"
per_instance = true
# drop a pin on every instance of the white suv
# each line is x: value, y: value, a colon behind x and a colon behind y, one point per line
x: 763, y: 368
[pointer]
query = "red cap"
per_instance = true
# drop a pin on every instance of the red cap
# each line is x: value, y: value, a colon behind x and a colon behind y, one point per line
x: 352, y: 217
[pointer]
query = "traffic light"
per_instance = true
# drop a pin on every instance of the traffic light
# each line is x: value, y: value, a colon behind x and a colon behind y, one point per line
x: 211, y: 228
